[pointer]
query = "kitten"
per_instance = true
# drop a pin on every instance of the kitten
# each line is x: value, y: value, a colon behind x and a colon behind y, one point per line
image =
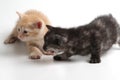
x: 30, y: 28
x: 94, y: 38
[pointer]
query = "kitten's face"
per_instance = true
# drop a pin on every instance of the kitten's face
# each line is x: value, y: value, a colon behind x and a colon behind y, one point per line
x: 26, y: 33
x: 54, y: 42
x: 28, y: 29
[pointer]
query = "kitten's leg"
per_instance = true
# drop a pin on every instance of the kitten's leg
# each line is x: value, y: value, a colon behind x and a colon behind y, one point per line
x: 12, y: 37
x: 64, y: 56
x: 95, y: 48
x: 35, y: 52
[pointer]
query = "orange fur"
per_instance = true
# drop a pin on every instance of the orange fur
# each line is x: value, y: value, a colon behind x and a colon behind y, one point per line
x: 26, y: 30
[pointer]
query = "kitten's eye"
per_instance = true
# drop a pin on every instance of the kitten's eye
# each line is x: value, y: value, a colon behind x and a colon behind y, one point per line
x: 25, y: 32
x: 56, y: 41
x: 19, y: 29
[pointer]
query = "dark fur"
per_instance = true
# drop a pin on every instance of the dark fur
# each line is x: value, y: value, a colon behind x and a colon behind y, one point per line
x: 93, y: 38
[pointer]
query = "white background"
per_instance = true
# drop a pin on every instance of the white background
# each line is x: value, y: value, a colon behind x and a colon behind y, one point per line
x: 14, y: 62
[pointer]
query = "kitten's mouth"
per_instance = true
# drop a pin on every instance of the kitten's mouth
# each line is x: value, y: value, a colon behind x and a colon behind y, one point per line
x: 54, y: 51
x: 21, y: 38
x: 50, y: 52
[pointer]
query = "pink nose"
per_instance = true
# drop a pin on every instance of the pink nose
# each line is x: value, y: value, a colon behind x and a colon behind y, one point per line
x: 20, y: 36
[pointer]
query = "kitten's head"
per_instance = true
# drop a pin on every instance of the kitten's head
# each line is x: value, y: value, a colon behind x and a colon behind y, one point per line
x: 54, y: 40
x: 29, y: 27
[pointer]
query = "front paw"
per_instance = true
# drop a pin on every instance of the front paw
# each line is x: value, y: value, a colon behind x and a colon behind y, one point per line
x: 94, y: 60
x: 60, y: 58
x: 34, y: 56
x: 10, y: 40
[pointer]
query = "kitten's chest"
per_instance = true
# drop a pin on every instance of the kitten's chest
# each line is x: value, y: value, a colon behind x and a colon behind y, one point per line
x: 37, y: 43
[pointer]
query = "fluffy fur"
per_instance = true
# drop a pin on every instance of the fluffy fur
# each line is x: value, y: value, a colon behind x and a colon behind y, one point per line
x: 94, y: 38
x: 30, y: 28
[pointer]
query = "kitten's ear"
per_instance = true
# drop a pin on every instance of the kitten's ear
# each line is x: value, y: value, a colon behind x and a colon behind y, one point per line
x: 19, y: 14
x: 38, y: 25
x: 49, y: 27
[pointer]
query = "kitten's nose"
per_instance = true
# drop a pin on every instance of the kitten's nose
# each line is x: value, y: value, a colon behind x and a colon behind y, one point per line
x: 20, y: 36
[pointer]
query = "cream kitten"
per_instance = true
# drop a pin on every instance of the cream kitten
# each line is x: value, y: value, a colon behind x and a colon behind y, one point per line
x: 30, y: 28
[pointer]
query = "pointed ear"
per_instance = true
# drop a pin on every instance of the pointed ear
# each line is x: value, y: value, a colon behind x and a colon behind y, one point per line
x: 49, y: 27
x: 38, y: 25
x: 19, y: 14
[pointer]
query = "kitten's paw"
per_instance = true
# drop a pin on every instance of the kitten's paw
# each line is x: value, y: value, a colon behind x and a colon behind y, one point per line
x: 34, y: 55
x: 10, y: 40
x: 60, y: 58
x: 94, y: 60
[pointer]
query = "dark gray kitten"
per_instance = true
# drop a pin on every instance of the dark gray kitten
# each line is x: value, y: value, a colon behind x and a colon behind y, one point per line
x: 94, y: 38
